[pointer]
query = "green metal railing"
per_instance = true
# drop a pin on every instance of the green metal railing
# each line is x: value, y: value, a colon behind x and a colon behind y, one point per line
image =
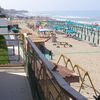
x: 46, y: 83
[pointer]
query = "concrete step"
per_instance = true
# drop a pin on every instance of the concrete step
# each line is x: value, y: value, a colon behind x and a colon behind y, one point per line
x: 17, y: 68
x: 12, y: 65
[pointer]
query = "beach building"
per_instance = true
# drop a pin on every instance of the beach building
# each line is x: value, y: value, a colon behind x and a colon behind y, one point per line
x: 3, y: 24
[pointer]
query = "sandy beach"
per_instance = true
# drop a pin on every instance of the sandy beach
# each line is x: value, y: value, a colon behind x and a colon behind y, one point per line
x: 82, y: 54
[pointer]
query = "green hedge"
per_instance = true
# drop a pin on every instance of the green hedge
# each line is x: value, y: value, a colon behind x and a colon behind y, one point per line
x: 4, y: 59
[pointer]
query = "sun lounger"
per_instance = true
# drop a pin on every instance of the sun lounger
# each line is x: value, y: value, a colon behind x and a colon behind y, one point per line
x: 77, y: 38
x: 64, y: 44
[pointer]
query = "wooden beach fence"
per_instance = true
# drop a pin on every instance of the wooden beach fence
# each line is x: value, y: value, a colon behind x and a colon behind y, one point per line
x: 83, y: 74
x: 66, y: 60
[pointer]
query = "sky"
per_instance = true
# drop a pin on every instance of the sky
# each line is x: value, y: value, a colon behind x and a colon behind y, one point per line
x: 51, y: 5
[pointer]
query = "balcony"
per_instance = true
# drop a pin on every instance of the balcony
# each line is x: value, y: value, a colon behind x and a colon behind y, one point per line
x: 27, y: 68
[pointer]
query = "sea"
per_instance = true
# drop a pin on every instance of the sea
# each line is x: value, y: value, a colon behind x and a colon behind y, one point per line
x: 85, y: 16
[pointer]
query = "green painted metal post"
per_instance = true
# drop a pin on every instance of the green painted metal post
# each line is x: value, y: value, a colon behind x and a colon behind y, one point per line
x: 78, y: 35
x: 81, y: 36
x: 82, y: 29
x: 91, y: 33
x: 94, y: 39
x: 98, y: 38
x: 84, y: 36
x: 98, y: 41
x: 89, y: 38
x: 87, y: 31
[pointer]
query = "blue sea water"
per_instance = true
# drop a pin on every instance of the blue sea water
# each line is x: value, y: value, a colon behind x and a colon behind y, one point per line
x: 67, y: 13
x: 91, y: 16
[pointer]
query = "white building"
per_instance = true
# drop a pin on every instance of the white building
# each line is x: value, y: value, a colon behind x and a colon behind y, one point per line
x: 3, y: 25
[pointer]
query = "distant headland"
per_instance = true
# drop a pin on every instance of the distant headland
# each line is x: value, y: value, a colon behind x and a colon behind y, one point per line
x: 12, y: 12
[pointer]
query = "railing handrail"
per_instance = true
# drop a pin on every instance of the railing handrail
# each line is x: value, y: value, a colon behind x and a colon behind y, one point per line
x: 58, y: 78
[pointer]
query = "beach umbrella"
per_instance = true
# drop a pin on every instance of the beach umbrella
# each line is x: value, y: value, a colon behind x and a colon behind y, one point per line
x: 98, y: 28
x: 70, y: 32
